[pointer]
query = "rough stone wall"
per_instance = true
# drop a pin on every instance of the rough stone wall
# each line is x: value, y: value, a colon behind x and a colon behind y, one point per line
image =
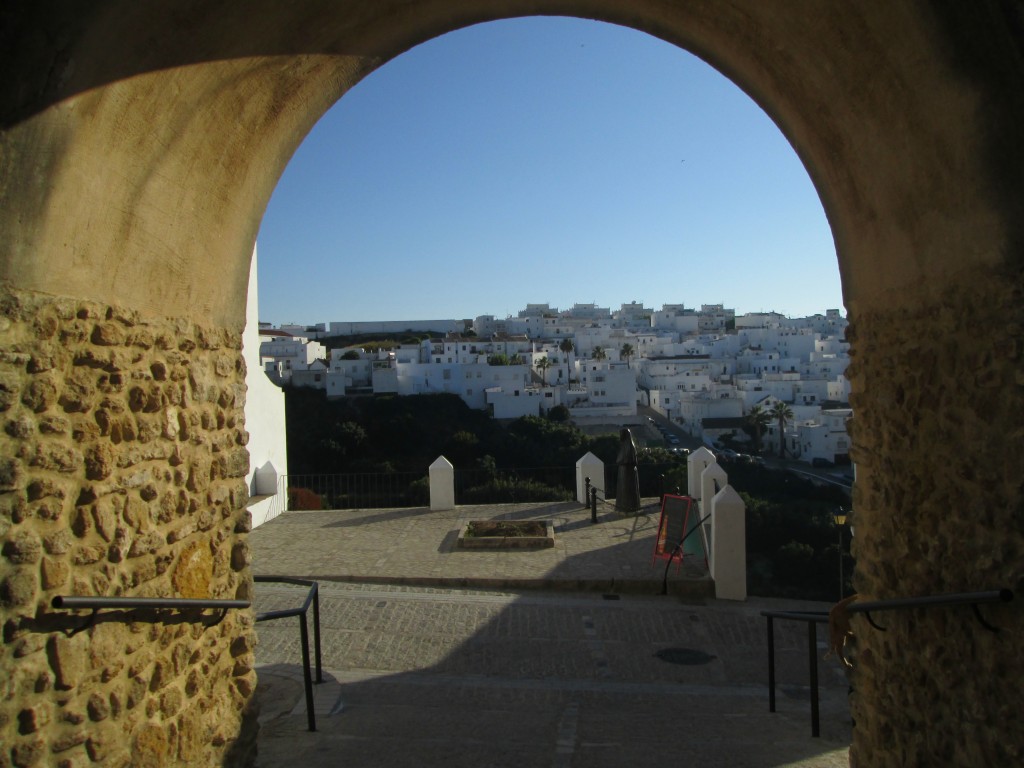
x: 939, y: 507
x: 122, y: 464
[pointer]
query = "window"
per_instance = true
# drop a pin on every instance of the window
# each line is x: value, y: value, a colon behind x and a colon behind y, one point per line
x: 447, y: 374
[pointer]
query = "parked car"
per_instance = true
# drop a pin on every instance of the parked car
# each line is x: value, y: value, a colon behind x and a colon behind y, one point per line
x: 818, y: 461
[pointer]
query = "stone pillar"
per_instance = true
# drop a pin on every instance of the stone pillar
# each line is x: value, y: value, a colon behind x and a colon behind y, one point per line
x: 589, y: 466
x: 938, y: 508
x: 696, y: 463
x: 122, y: 473
x: 442, y: 485
x: 729, y: 545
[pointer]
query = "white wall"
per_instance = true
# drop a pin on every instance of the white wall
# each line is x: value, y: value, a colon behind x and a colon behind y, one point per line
x: 264, y: 421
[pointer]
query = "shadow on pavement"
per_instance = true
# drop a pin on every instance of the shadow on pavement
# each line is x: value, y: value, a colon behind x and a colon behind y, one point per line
x: 539, y: 679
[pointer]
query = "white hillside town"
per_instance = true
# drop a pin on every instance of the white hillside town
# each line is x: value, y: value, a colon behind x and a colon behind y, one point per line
x: 705, y: 370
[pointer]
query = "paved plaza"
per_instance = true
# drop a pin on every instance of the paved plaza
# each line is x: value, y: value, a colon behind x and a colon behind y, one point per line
x: 562, y: 657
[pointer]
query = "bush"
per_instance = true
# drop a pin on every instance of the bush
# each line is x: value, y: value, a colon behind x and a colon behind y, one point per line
x: 303, y: 499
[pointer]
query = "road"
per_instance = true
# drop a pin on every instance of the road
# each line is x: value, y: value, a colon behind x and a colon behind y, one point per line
x: 461, y: 678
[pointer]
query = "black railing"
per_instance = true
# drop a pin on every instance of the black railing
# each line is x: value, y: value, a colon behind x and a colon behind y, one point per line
x: 381, y: 490
x: 973, y: 599
x: 366, y: 490
x: 654, y: 479
x: 96, y: 603
x: 515, y: 486
x: 813, y: 618
x: 312, y: 598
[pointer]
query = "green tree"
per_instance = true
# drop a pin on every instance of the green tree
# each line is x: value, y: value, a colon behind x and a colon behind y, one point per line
x: 559, y: 413
x: 757, y: 420
x: 567, y: 347
x: 600, y: 354
x: 351, y: 354
x: 782, y: 413
x: 543, y: 364
x: 626, y: 352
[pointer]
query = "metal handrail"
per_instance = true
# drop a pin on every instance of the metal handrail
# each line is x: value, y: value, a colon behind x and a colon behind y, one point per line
x: 812, y: 618
x: 973, y: 599
x: 73, y: 602
x: 97, y: 603
x: 312, y: 598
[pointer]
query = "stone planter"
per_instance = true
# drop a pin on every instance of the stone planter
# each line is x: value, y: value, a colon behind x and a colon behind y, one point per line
x: 507, y: 534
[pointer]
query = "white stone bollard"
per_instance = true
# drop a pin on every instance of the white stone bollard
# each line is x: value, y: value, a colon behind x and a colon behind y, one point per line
x: 265, y: 480
x: 712, y: 480
x: 729, y: 545
x: 442, y: 485
x: 589, y: 466
x: 696, y: 463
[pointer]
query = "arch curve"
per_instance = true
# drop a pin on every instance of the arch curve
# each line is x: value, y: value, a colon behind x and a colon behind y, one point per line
x: 162, y: 158
x: 140, y: 143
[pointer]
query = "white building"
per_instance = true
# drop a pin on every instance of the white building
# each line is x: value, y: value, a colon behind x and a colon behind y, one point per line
x: 264, y: 422
x: 607, y: 389
x: 826, y: 438
x: 282, y: 353
x: 515, y: 402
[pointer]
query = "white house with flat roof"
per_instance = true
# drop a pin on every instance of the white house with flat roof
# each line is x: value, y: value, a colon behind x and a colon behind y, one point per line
x: 826, y: 437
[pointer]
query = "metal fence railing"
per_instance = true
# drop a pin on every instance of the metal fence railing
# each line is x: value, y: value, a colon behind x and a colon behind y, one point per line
x: 514, y: 486
x: 655, y: 479
x: 366, y: 490
x: 382, y: 490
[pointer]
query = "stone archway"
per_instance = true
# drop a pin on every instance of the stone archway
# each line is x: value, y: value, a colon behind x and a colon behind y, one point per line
x: 140, y: 144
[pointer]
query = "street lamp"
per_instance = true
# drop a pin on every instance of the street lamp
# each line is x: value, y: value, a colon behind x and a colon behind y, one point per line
x: 839, y: 516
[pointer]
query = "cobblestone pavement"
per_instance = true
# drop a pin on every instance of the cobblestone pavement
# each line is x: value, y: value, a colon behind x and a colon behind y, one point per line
x: 416, y: 546
x: 447, y: 677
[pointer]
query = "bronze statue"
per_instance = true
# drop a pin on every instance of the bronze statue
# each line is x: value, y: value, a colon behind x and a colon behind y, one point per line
x: 627, y: 494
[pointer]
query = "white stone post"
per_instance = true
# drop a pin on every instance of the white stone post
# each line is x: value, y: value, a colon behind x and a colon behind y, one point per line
x: 589, y: 466
x: 265, y: 480
x: 729, y: 545
x: 696, y: 463
x: 712, y: 480
x: 442, y: 485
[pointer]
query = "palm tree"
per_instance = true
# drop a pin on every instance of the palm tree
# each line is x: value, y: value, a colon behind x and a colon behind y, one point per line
x: 542, y: 364
x: 600, y: 354
x: 567, y: 346
x: 758, y: 419
x: 782, y: 413
x: 626, y: 352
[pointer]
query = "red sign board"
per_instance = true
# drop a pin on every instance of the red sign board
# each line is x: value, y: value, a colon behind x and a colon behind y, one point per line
x: 677, y: 537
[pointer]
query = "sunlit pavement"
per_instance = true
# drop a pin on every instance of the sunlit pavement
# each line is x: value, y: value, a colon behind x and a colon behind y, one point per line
x: 442, y: 676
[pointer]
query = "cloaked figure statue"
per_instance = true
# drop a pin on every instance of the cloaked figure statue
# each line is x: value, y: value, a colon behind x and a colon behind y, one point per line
x: 627, y: 494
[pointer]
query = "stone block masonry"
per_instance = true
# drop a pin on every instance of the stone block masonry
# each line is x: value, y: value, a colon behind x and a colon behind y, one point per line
x: 938, y: 508
x: 122, y: 465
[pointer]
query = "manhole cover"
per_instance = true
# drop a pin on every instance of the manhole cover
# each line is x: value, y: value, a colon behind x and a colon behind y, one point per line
x: 687, y: 656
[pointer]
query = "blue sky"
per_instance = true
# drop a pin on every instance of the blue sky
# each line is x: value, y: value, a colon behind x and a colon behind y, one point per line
x: 542, y: 160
